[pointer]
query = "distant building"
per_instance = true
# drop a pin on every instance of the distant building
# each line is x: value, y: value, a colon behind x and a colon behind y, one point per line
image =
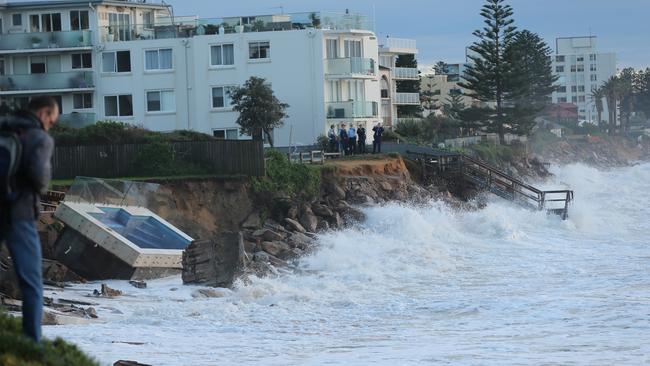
x: 441, y: 87
x: 581, y: 68
x: 133, y: 61
x: 391, y: 97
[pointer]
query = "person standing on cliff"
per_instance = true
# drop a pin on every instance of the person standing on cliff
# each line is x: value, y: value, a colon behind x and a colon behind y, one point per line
x: 352, y: 140
x: 378, y: 131
x: 361, y: 132
x: 20, y: 207
x: 343, y: 139
x: 331, y: 139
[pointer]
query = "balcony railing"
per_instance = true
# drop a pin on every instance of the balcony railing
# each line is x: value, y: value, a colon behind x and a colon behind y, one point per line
x: 352, y: 66
x: 405, y: 73
x: 360, y: 109
x: 406, y: 98
x: 61, y: 80
x: 191, y: 27
x: 45, y: 40
x: 78, y: 119
x: 408, y: 45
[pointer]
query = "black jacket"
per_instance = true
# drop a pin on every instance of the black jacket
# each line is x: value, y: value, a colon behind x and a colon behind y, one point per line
x: 35, y: 170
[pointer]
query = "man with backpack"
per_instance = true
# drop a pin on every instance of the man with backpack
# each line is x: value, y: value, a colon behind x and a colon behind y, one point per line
x: 25, y: 172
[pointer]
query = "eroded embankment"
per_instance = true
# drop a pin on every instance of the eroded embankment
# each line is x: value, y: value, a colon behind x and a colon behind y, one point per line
x: 604, y: 152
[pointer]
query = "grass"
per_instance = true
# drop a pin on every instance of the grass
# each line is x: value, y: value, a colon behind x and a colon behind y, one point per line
x: 18, y: 350
x: 69, y: 182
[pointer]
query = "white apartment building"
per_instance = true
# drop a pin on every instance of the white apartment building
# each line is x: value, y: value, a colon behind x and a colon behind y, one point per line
x: 443, y: 86
x: 581, y: 68
x: 133, y: 61
x: 391, y: 98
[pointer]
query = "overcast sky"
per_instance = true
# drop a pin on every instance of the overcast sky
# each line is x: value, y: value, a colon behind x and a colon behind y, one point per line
x: 444, y: 28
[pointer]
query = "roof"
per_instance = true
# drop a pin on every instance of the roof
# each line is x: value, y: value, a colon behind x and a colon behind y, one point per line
x: 67, y: 3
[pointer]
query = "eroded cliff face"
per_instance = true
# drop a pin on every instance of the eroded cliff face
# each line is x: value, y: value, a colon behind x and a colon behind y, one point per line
x: 608, y: 151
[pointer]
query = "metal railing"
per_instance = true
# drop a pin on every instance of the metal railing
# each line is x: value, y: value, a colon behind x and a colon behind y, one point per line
x: 405, y: 73
x: 351, y: 66
x: 358, y: 109
x: 406, y: 98
x: 45, y: 40
x: 400, y: 43
x: 47, y: 81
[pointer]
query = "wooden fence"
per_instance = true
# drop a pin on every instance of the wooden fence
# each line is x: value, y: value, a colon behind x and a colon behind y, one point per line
x: 223, y: 157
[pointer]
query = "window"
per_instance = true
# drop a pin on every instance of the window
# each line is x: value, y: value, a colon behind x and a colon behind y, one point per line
x: 594, y: 77
x: 82, y: 101
x: 82, y: 60
x: 561, y: 100
x: 222, y: 54
x: 45, y: 22
x: 592, y: 67
x: 118, y: 105
x: 335, y: 90
x: 332, y: 46
x: 353, y: 48
x: 158, y: 59
x: 574, y: 88
x: 17, y: 20
x: 574, y: 99
x: 580, y: 58
x: 119, y: 25
x: 559, y: 58
x: 37, y: 65
x: 259, y: 50
x: 559, y: 68
x: 561, y: 89
x: 581, y: 88
x: 147, y: 19
x: 581, y: 98
x: 227, y: 134
x: 221, y: 97
x: 79, y: 20
x: 119, y: 61
x: 573, y: 68
x: 161, y: 101
x: 581, y: 68
x: 592, y: 57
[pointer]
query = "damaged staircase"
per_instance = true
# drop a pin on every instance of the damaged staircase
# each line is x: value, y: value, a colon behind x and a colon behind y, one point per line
x: 488, y: 178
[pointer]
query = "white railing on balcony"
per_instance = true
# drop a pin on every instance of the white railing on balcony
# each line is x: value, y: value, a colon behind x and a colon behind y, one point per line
x: 358, y: 109
x: 401, y: 43
x: 405, y: 73
x: 406, y: 98
x: 45, y: 40
x: 49, y: 81
x: 350, y: 66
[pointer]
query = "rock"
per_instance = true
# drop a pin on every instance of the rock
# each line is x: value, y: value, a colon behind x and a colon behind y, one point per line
x: 138, y: 284
x: 253, y: 221
x: 129, y: 363
x: 352, y: 214
x: 8, y: 280
x: 294, y: 225
x: 215, y: 262
x: 209, y: 293
x: 322, y: 210
x: 308, y: 220
x: 323, y: 225
x: 385, y: 186
x: 336, y: 191
x: 264, y: 257
x: 270, y: 235
x: 91, y: 312
x: 107, y: 292
x: 276, y: 248
x: 250, y: 247
x: 299, y: 240
x: 337, y: 220
x: 292, y: 212
x: 56, y: 272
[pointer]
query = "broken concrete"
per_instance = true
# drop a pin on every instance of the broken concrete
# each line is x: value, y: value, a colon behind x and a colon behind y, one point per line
x: 215, y: 262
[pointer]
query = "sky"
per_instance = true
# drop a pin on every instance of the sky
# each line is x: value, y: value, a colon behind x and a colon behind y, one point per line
x: 444, y: 28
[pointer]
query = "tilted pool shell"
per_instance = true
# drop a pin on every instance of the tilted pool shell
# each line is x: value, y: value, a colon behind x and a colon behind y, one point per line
x: 118, y: 242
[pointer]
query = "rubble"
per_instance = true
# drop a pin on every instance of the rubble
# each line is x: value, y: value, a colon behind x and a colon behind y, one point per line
x: 107, y: 292
x: 138, y: 284
x: 215, y: 262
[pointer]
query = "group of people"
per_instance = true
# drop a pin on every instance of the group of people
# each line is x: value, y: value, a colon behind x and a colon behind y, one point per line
x: 352, y: 141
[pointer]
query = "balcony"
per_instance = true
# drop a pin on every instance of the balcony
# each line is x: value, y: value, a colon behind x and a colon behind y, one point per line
x: 35, y: 83
x: 185, y: 27
x: 405, y: 73
x: 350, y: 67
x: 78, y: 119
x: 360, y: 109
x: 406, y: 98
x: 398, y: 46
x: 39, y: 42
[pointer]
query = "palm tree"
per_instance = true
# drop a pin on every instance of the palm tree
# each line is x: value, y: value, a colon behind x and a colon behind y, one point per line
x: 597, y: 95
x: 611, y: 89
x: 626, y: 96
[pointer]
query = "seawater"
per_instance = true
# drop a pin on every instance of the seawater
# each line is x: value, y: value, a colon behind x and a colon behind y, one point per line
x: 420, y: 285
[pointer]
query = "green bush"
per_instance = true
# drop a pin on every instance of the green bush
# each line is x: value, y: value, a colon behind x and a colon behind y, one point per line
x: 297, y: 181
x: 494, y: 154
x: 157, y: 158
x: 18, y: 350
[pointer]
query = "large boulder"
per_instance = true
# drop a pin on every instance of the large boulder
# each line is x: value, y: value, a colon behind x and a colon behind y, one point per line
x: 277, y: 248
x: 308, y: 220
x: 214, y: 262
x: 294, y: 225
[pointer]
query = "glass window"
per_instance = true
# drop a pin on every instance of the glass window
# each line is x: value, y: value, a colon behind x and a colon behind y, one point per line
x: 220, y: 134
x: 221, y: 97
x: 561, y: 100
x: 259, y: 50
x: 222, y: 54
x: 559, y: 68
x: 17, y: 19
x: 581, y: 98
x: 561, y: 89
x: 161, y: 101
x: 353, y: 48
x: 580, y: 58
x: 581, y: 88
x: 592, y: 67
x: 581, y: 68
x: 594, y: 77
x: 82, y: 101
x: 79, y: 19
x: 332, y: 46
x: 118, y: 105
x: 158, y: 59
x: 119, y: 61
x: 227, y: 134
x: 559, y: 58
x: 592, y: 57
x: 38, y: 65
x: 45, y: 22
x: 574, y: 88
x: 147, y: 19
x: 82, y: 60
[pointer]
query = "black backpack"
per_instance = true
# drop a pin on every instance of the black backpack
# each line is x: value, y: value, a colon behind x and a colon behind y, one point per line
x: 11, y: 149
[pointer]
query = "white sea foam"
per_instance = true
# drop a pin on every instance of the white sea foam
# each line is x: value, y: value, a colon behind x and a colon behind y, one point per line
x: 413, y: 285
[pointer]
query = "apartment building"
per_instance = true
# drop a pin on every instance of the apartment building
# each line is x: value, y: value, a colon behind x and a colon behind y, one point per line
x: 133, y: 61
x: 390, y: 74
x: 581, y: 68
x: 442, y: 86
